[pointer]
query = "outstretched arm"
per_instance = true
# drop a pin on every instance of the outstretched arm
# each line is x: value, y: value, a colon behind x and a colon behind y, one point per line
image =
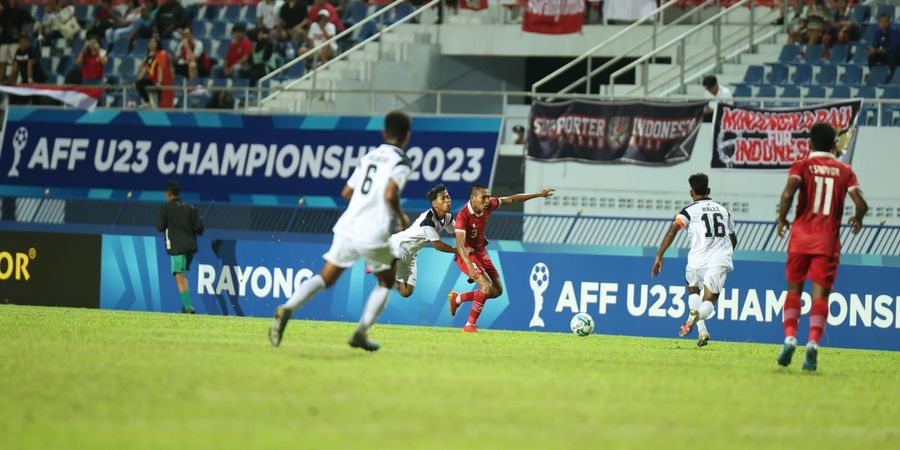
x: 518, y: 198
x: 787, y: 198
x: 733, y: 237
x: 392, y: 197
x: 862, y: 207
x: 666, y: 242
x: 442, y: 247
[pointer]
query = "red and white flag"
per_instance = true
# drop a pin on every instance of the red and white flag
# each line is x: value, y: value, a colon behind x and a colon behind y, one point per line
x: 475, y: 5
x: 553, y: 16
x: 82, y: 97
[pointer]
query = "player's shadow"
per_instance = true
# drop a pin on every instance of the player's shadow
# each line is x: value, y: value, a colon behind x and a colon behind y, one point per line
x: 226, y: 252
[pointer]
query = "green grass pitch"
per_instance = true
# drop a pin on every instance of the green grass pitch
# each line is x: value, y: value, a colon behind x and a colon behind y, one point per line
x: 111, y: 380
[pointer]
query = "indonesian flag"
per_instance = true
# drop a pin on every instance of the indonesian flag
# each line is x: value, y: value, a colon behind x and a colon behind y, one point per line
x: 83, y: 97
x: 553, y: 16
x: 475, y: 5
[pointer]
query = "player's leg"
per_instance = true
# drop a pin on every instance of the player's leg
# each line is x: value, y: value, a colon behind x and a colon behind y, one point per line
x: 694, y: 300
x: 405, y: 276
x: 382, y: 263
x: 822, y: 272
x: 795, y: 272
x: 694, y: 280
x: 483, y: 282
x: 486, y: 290
x: 179, y: 267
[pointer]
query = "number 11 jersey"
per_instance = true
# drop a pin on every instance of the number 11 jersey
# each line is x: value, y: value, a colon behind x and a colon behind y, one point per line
x: 710, y: 226
x: 825, y: 182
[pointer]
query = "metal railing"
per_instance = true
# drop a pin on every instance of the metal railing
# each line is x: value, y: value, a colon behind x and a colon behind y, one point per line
x: 312, y: 74
x: 531, y: 228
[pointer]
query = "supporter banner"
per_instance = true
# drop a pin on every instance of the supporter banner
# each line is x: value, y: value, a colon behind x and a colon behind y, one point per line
x: 78, y: 97
x: 542, y: 292
x: 752, y: 138
x: 217, y: 155
x: 553, y: 16
x: 599, y: 132
x: 50, y: 269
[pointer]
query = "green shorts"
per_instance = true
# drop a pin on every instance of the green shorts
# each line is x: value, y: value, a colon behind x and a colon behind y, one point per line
x: 181, y: 263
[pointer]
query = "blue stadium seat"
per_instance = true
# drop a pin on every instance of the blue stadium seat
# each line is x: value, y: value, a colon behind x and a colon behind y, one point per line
x: 895, y: 79
x: 127, y: 68
x: 357, y: 11
x: 840, y: 53
x: 877, y: 75
x: 84, y: 13
x: 814, y: 53
x: 211, y: 12
x: 868, y: 116
x: 853, y: 76
x: 884, y: 9
x: 754, y: 74
x: 368, y: 29
x: 777, y: 74
x: 296, y: 71
x: 400, y: 11
x: 866, y: 92
x: 891, y: 92
x: 140, y: 47
x: 221, y: 52
x: 861, y: 13
x: 743, y: 91
x: 240, y: 82
x: 250, y: 13
x: 766, y: 91
x: 199, y: 27
x: 120, y: 48
x: 826, y: 75
x: 232, y: 13
x: 840, y: 92
x: 802, y: 74
x: 219, y: 30
x: 791, y: 91
x: 816, y: 92
x: 860, y: 56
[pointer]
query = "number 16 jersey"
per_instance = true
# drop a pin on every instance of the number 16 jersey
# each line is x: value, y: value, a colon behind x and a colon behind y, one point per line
x: 710, y: 226
x: 825, y: 182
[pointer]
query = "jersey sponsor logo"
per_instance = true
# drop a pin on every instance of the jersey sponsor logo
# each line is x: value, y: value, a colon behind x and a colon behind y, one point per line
x: 263, y: 282
x: 14, y: 265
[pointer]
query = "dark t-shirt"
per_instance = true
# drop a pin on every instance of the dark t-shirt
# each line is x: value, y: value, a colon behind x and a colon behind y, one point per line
x: 13, y: 21
x: 37, y: 71
x: 293, y: 15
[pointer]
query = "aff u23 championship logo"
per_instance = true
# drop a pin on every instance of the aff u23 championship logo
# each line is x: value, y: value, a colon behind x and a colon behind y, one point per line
x: 539, y: 281
x: 19, y: 141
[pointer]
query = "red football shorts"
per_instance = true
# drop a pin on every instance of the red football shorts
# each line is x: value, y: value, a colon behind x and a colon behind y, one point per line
x: 821, y: 269
x: 482, y: 261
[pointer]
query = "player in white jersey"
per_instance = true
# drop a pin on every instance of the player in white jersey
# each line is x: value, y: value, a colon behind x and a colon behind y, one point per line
x: 713, y: 240
x: 363, y: 231
x: 426, y: 229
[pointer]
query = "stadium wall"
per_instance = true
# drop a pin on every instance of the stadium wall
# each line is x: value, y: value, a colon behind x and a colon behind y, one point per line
x: 641, y: 191
x: 545, y: 285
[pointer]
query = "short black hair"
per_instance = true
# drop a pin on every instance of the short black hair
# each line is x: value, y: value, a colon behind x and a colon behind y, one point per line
x: 710, y: 81
x: 238, y: 27
x: 436, y: 191
x: 476, y: 187
x: 173, y: 187
x: 884, y: 15
x: 822, y: 136
x: 699, y: 183
x: 397, y: 125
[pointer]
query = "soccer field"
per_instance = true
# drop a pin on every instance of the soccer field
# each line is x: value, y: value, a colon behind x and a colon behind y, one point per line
x: 74, y: 378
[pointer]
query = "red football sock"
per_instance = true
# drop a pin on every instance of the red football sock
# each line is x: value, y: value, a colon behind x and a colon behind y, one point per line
x: 477, y: 305
x: 467, y: 296
x: 818, y: 317
x: 791, y: 314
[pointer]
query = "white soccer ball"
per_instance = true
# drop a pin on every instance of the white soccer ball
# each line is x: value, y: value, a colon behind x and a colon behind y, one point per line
x: 582, y: 324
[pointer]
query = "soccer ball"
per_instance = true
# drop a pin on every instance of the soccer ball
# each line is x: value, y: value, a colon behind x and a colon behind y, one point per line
x: 582, y: 324
x: 20, y: 138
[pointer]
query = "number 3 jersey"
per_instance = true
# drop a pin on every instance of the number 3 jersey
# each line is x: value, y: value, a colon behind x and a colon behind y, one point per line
x: 710, y: 226
x: 368, y: 217
x: 825, y: 182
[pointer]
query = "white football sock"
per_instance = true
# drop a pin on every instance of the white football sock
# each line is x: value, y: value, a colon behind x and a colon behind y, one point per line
x: 305, y: 292
x: 694, y: 301
x: 706, y: 310
x: 374, y: 306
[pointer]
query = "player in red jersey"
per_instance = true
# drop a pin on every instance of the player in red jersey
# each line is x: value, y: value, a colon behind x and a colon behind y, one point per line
x: 471, y: 256
x: 814, y: 248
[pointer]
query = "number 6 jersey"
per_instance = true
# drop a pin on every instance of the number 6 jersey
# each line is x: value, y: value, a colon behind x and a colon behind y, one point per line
x: 825, y: 182
x: 710, y: 227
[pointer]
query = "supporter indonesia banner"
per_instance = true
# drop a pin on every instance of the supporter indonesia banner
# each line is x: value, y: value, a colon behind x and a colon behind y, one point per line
x: 605, y: 132
x: 752, y: 138
x: 553, y: 16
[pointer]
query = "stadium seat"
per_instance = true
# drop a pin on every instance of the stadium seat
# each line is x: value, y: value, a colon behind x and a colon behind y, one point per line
x: 853, y: 76
x: 895, y: 79
x: 400, y: 11
x: 816, y: 92
x: 868, y: 116
x: 860, y: 56
x: 232, y: 13
x: 743, y: 91
x: 199, y: 28
x: 754, y: 75
x: 777, y: 74
x: 866, y: 92
x: 802, y: 74
x: 891, y: 92
x: 219, y: 30
x: 884, y: 9
x: 211, y: 12
x: 789, y: 53
x: 120, y: 48
x: 250, y: 13
x: 357, y: 11
x: 127, y: 68
x: 840, y: 92
x: 814, y: 53
x: 791, y: 91
x: 140, y: 47
x: 840, y: 53
x: 861, y: 13
x: 766, y: 91
x: 877, y: 75
x: 827, y: 75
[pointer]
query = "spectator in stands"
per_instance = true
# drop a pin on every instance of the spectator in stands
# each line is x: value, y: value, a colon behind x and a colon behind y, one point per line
x: 333, y: 16
x: 284, y: 45
x: 518, y: 135
x: 812, y: 25
x: 92, y: 58
x: 292, y: 18
x: 105, y: 18
x: 143, y: 27
x: 191, y: 59
x: 156, y: 72
x: 238, y: 52
x: 716, y: 92
x: 48, y: 28
x: 884, y: 44
x: 262, y: 60
x: 125, y: 26
x: 267, y: 12
x: 14, y: 20
x: 66, y: 22
x: 27, y: 69
x: 170, y: 18
x: 320, y: 31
